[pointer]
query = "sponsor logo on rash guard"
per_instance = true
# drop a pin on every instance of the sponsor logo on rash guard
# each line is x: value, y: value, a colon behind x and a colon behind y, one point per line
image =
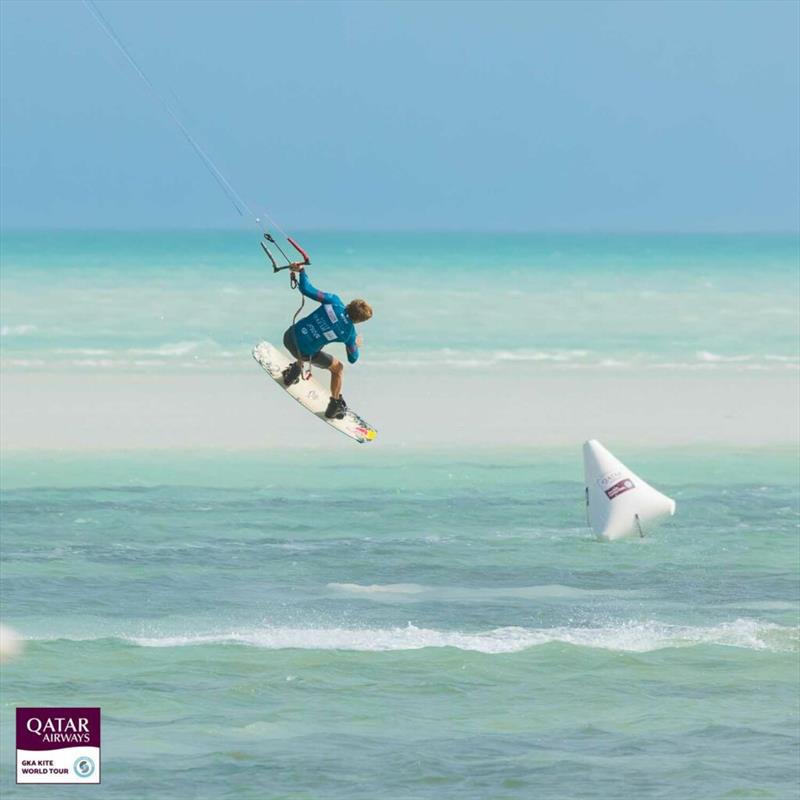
x: 330, y: 312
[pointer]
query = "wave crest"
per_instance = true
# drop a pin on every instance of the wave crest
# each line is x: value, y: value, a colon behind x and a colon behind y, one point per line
x: 635, y: 637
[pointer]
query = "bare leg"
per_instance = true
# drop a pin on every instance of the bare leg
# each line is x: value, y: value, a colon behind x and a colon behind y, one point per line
x: 337, y: 368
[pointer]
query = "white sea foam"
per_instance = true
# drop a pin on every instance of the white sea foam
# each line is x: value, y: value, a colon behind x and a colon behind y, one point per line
x: 16, y: 330
x: 576, y: 360
x: 95, y: 362
x: 83, y: 351
x: 614, y: 362
x: 764, y: 605
x: 636, y: 637
x: 24, y: 363
x: 714, y: 358
x: 379, y: 588
x: 415, y: 591
x: 210, y: 355
x: 782, y: 359
x: 168, y: 349
x: 527, y: 355
x: 450, y: 357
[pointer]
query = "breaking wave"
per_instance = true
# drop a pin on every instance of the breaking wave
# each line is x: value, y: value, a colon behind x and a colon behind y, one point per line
x: 416, y: 591
x: 206, y: 353
x: 635, y: 637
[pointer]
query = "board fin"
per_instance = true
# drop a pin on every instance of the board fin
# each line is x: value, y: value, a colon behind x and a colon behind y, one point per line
x: 618, y: 502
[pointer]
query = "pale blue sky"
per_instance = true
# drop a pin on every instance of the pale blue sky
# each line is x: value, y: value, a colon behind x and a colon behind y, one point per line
x: 623, y: 116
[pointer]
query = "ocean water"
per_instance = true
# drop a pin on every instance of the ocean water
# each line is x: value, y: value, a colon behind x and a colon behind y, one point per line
x: 198, y: 301
x: 404, y: 622
x: 424, y: 625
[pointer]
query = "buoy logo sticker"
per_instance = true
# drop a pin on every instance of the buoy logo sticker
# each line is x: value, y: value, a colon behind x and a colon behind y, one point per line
x: 620, y: 488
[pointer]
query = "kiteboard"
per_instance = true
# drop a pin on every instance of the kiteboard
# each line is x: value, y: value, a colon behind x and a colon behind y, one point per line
x: 310, y: 394
x: 618, y: 502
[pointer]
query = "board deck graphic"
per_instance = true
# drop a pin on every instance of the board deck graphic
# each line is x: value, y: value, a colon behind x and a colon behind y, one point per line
x: 310, y: 394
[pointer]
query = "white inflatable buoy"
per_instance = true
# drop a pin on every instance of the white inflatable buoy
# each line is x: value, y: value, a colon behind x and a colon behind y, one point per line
x: 10, y: 644
x: 618, y: 502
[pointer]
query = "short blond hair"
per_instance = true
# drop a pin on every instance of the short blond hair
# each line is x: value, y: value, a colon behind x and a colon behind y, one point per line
x: 359, y: 310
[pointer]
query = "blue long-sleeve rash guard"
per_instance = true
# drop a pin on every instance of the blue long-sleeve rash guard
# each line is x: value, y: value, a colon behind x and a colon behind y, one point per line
x: 329, y: 323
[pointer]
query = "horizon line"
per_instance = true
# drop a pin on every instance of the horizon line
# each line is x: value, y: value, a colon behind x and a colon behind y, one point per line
x: 411, y: 230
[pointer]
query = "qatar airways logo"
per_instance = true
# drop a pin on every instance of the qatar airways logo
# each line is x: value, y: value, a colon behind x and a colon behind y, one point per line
x: 615, y: 483
x: 61, y: 730
x: 58, y: 745
x: 604, y: 480
x: 620, y: 487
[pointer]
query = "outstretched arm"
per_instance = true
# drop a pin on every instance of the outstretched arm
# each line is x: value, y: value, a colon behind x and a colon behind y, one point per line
x: 351, y: 345
x: 304, y: 284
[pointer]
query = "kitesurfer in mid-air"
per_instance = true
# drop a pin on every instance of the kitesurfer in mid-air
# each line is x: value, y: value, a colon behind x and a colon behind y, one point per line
x: 333, y: 321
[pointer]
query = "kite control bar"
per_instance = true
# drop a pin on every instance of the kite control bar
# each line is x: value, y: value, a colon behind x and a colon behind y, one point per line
x: 289, y: 263
x: 306, y: 260
x: 305, y: 366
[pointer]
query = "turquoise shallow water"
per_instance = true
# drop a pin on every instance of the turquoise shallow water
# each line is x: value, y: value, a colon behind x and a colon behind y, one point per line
x: 198, y: 301
x: 389, y: 622
x: 407, y: 625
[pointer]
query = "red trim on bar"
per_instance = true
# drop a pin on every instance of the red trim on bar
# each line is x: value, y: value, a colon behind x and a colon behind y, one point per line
x: 293, y: 243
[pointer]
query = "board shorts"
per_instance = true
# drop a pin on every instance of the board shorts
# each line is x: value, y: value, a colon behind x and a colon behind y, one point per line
x: 319, y: 359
